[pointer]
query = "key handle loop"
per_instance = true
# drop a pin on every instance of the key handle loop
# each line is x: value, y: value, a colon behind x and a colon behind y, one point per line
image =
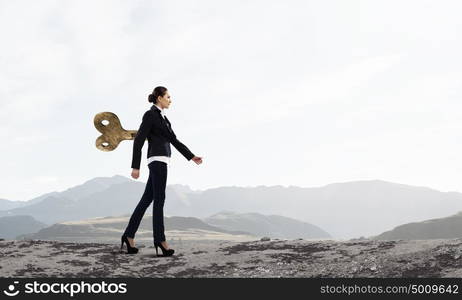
x: 112, y: 131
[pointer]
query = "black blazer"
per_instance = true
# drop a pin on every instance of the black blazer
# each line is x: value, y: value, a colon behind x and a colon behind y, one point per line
x: 160, y: 134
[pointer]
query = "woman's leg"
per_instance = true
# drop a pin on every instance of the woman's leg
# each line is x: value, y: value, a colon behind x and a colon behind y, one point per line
x: 140, y: 209
x: 159, y: 181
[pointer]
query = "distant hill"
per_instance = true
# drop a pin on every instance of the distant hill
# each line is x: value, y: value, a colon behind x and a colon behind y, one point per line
x: 111, y: 228
x: 117, y: 199
x: 8, y: 204
x: 442, y: 228
x: 89, y: 187
x: 95, y: 185
x: 261, y: 225
x: 12, y: 226
x: 344, y: 210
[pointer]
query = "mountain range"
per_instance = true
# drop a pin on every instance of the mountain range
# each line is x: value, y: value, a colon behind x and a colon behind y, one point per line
x: 342, y: 210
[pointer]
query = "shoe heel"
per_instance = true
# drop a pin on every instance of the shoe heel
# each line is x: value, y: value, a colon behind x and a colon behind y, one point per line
x: 165, y: 252
x: 130, y: 249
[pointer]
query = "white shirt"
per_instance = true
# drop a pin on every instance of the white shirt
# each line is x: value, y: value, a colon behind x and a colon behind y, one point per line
x: 165, y: 159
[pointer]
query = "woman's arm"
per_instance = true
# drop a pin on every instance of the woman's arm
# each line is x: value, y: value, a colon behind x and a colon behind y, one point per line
x: 140, y: 138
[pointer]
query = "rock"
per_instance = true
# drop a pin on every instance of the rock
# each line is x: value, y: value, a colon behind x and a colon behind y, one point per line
x: 418, y: 258
x: 265, y: 238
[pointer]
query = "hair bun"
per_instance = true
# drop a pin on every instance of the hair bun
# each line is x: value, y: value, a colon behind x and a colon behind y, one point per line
x: 159, y: 91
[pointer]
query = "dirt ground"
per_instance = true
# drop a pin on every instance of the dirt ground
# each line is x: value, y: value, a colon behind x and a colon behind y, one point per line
x: 256, y: 258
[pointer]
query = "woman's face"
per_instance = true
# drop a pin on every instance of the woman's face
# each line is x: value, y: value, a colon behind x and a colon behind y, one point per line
x: 164, y: 102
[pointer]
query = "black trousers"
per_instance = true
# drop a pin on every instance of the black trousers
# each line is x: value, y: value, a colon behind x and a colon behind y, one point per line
x: 154, y: 192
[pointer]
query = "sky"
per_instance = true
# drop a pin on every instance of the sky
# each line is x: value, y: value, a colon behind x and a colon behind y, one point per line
x: 291, y: 93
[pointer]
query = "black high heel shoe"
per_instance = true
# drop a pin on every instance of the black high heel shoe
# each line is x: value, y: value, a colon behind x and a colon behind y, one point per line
x: 130, y: 249
x: 165, y: 252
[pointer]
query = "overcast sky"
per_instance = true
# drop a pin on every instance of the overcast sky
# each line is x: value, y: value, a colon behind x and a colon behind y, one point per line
x: 302, y: 93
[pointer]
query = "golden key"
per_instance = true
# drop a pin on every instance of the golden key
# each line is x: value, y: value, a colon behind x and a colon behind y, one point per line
x: 112, y: 132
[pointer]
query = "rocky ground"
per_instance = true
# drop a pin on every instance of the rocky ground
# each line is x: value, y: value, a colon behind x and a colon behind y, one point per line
x: 257, y: 258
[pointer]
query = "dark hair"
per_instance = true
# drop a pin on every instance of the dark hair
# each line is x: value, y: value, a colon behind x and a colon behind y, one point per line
x: 158, y: 91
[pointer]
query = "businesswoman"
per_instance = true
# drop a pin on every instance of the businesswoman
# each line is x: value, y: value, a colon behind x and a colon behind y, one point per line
x: 157, y: 129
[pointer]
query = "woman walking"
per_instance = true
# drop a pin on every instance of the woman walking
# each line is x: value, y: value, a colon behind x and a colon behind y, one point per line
x: 157, y: 129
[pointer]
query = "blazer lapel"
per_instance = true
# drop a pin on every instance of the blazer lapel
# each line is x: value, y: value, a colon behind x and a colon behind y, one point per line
x: 164, y: 120
x: 168, y: 124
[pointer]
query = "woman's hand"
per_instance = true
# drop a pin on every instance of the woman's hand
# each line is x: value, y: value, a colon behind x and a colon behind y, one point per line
x: 197, y: 160
x: 135, y: 173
